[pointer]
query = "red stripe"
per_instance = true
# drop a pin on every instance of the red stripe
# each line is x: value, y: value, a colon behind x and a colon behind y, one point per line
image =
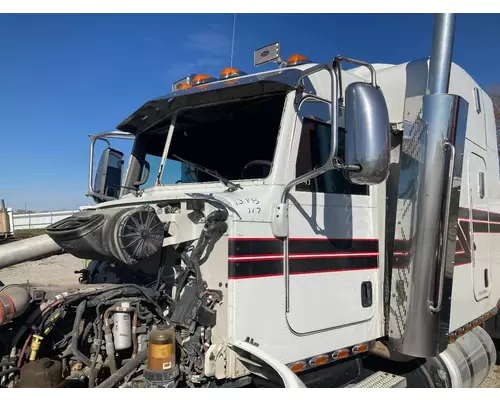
x: 253, y: 276
x: 327, y: 238
x: 331, y: 255
x: 239, y: 238
x: 250, y: 238
x: 481, y: 221
x: 264, y: 257
x: 303, y: 273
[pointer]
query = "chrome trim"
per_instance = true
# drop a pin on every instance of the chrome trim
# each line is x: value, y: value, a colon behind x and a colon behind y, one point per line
x: 460, y: 331
x: 370, y: 67
x: 444, y: 249
x: 477, y: 99
x: 330, y: 354
x: 101, y: 136
x: 367, y: 142
x: 334, y: 128
x: 433, y: 120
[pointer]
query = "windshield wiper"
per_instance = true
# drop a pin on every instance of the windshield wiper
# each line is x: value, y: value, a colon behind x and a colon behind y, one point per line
x: 232, y: 187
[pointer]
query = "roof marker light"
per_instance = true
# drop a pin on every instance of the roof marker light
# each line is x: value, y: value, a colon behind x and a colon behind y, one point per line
x: 183, y: 86
x: 184, y: 83
x: 230, y: 73
x: 201, y: 79
x: 297, y: 59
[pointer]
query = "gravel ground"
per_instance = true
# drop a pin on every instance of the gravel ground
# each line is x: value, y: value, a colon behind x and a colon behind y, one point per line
x: 55, y: 270
x: 60, y: 270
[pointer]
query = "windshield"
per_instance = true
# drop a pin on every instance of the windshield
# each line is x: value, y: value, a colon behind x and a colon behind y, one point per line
x: 234, y: 140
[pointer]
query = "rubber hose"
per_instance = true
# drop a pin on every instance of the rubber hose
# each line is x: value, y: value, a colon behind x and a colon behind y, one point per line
x: 7, y: 364
x: 74, y: 339
x: 9, y: 371
x: 93, y: 377
x: 124, y: 371
x: 86, y: 332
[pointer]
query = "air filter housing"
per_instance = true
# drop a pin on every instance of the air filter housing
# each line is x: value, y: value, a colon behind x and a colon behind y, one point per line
x: 128, y: 235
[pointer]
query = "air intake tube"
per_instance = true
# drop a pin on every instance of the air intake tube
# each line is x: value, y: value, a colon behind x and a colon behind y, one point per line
x: 127, y: 235
x: 27, y: 250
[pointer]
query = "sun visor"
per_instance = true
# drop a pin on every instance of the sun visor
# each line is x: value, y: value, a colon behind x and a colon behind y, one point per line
x: 230, y: 89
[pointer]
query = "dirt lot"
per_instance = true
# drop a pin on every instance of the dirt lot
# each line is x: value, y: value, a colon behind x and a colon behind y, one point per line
x: 52, y: 270
x: 60, y: 270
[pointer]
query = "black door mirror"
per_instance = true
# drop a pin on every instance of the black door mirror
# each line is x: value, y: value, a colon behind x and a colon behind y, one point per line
x: 108, y: 177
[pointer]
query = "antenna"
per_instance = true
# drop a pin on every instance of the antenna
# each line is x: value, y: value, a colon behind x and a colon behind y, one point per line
x: 232, y: 42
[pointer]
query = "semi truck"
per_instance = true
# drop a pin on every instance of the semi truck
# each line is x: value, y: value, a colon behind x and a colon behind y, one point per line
x: 304, y: 226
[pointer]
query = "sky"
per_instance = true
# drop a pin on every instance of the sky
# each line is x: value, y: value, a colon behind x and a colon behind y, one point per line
x: 63, y: 77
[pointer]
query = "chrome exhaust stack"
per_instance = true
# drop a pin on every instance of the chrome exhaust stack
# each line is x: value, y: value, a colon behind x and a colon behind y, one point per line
x: 427, y: 208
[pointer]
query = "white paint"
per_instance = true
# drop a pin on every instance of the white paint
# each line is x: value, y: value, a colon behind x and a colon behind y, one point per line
x: 256, y: 308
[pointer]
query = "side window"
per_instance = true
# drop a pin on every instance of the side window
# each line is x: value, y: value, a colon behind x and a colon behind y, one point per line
x: 314, y: 150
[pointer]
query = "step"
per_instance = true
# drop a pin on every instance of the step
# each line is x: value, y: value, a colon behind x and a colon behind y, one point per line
x: 381, y: 380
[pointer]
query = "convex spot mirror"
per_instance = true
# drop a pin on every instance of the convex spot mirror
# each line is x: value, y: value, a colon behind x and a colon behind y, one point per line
x: 108, y: 176
x: 367, y: 142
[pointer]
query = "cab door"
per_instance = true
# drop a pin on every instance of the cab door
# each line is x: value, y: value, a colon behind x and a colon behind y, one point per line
x: 331, y: 258
x: 479, y: 226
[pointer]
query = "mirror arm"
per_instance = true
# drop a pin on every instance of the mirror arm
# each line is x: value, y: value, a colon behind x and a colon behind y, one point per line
x: 334, y: 94
x: 334, y: 129
x: 336, y: 64
x: 93, y: 138
x: 91, y: 168
x: 301, y: 179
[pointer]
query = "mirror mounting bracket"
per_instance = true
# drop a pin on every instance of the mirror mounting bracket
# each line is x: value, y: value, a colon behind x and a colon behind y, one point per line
x: 337, y: 67
x: 104, y: 136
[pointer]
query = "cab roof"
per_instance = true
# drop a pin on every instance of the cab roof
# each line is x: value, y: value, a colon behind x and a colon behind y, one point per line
x: 155, y: 110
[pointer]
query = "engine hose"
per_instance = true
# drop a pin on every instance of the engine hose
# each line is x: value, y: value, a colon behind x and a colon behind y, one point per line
x: 86, y: 332
x: 7, y: 364
x: 26, y: 326
x: 98, y: 340
x: 219, y: 215
x: 117, y: 376
x: 94, y: 371
x: 110, y: 346
x: 74, y: 335
x: 124, y: 290
x: 9, y: 371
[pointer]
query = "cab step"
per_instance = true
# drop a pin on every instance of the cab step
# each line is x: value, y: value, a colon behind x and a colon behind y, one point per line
x: 380, y: 380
